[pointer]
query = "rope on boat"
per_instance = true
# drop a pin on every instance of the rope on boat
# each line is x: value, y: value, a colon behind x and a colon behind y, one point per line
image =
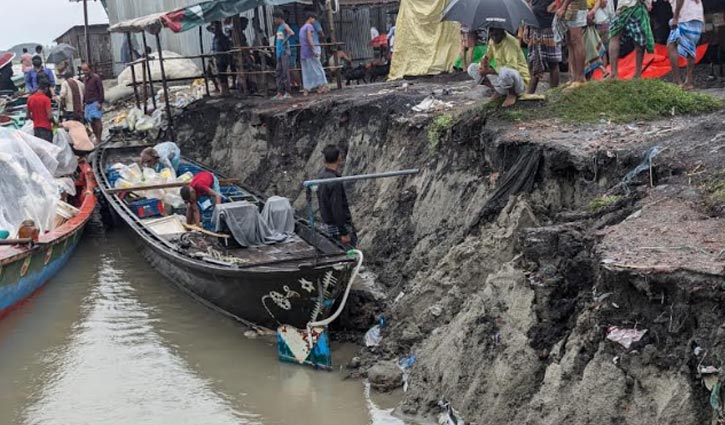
x: 337, y: 313
x: 219, y: 256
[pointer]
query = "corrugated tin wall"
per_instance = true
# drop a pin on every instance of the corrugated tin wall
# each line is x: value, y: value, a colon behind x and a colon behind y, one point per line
x: 101, y: 56
x: 186, y: 43
x: 353, y: 24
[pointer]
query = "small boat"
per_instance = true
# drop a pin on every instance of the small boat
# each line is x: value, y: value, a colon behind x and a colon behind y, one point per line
x: 293, y: 282
x: 25, y: 268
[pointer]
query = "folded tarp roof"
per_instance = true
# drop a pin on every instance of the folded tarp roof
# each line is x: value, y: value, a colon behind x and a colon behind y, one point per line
x: 190, y: 17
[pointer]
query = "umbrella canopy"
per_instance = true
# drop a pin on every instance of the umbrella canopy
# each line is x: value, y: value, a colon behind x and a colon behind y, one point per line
x: 61, y: 53
x: 6, y: 58
x: 506, y: 14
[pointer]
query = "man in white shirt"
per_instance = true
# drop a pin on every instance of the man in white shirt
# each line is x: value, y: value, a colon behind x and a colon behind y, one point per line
x: 71, y: 97
x: 688, y: 19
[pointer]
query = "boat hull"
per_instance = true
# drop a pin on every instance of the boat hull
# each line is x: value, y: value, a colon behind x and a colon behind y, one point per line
x: 267, y: 299
x: 22, y: 278
x: 24, y: 270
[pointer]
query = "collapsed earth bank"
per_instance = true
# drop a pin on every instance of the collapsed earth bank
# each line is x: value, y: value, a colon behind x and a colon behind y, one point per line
x: 506, y: 260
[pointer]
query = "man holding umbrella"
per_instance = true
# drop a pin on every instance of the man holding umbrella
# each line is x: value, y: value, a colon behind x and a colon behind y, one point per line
x: 510, y: 76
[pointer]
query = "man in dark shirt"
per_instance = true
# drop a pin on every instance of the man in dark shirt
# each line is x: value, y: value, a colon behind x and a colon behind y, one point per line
x: 334, y: 208
x: 93, y: 98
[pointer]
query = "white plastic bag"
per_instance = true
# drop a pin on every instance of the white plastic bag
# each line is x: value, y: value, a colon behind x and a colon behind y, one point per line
x: 67, y: 162
x: 27, y: 189
x: 47, y: 152
x: 134, y: 116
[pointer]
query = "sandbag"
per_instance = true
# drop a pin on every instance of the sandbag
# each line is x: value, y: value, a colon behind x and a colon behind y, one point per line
x: 177, y: 68
x: 27, y: 189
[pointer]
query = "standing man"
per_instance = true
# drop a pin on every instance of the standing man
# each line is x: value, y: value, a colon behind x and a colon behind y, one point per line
x: 93, y: 97
x: 313, y: 75
x: 573, y: 13
x: 631, y: 22
x: 71, y: 97
x: 38, y: 74
x: 26, y: 61
x: 544, y: 51
x: 220, y: 46
x: 688, y: 18
x: 41, y: 113
x: 282, y: 51
x: 334, y: 208
x: 511, y: 75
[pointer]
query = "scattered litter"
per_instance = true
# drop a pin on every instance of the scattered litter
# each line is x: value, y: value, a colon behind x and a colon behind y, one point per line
x: 373, y: 336
x: 404, y: 364
x: 708, y: 370
x: 430, y: 104
x: 615, y: 360
x: 602, y: 297
x: 250, y: 334
x: 615, y: 305
x: 715, y: 397
x: 646, y: 164
x: 697, y: 351
x: 436, y: 310
x: 399, y: 297
x: 625, y: 337
x: 449, y: 416
x: 709, y: 381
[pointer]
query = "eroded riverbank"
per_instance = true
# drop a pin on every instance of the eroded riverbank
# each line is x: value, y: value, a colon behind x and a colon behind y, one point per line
x: 513, y: 252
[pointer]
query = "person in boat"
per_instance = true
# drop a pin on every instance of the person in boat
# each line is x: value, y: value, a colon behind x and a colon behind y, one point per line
x: 40, y: 112
x: 163, y: 155
x: 334, y: 208
x: 6, y: 79
x: 204, y: 183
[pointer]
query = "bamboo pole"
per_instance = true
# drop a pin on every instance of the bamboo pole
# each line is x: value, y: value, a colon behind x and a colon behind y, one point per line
x: 166, y: 90
x: 222, y: 182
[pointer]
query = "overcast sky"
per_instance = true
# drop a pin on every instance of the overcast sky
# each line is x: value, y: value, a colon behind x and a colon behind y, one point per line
x: 41, y: 21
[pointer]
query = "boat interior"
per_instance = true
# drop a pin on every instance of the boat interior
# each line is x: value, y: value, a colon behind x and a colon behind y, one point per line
x: 153, y: 210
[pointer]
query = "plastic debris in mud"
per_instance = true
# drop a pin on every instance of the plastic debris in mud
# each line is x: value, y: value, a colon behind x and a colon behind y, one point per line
x: 405, y: 364
x: 373, y: 336
x: 449, y: 416
x: 431, y: 104
x: 646, y: 164
x: 625, y: 337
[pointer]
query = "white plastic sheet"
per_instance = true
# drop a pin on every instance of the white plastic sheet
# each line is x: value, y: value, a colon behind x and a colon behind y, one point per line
x: 27, y: 188
x: 67, y: 161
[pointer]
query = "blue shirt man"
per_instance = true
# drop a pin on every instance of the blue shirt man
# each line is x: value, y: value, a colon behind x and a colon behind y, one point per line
x: 31, y: 77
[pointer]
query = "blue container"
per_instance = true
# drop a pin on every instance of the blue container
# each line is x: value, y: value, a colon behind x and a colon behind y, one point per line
x: 113, y: 175
x: 147, y: 208
x: 185, y: 166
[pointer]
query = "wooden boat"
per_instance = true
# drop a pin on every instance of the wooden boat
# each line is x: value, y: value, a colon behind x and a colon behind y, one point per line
x: 294, y: 282
x: 24, y: 268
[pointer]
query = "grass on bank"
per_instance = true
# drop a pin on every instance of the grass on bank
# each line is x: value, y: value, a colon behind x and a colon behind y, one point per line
x: 618, y: 101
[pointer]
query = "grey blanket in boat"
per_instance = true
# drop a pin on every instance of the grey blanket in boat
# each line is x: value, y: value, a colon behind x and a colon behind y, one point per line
x: 247, y: 225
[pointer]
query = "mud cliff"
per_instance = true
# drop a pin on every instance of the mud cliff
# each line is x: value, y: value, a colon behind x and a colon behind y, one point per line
x: 507, y: 260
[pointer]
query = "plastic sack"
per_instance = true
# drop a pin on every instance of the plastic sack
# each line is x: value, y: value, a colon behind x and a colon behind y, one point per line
x: 67, y: 162
x: 66, y: 185
x: 131, y: 173
x: 27, y: 189
x: 134, y: 116
x: 28, y: 128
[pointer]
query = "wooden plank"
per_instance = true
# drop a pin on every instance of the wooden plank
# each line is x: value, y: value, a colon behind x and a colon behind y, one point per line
x: 222, y: 182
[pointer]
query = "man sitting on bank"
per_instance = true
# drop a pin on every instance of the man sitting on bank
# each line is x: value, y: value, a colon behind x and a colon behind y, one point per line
x: 334, y: 208
x: 203, y: 184
x: 510, y: 76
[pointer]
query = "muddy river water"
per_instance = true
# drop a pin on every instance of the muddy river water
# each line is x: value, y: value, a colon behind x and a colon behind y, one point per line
x: 109, y: 341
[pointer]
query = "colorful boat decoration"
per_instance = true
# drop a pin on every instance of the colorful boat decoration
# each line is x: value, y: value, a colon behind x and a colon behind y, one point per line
x: 24, y: 269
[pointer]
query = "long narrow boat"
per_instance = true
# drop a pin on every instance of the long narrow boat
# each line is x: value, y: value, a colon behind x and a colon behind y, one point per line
x: 24, y: 269
x: 293, y: 283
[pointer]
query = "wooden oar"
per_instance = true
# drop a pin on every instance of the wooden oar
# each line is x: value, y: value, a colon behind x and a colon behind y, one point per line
x: 222, y: 182
x: 204, y: 231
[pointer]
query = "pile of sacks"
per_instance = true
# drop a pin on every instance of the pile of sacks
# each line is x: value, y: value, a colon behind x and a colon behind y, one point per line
x: 133, y: 176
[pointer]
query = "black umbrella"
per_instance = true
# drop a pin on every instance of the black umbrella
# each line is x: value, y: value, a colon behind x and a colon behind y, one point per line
x: 506, y: 14
x: 61, y: 53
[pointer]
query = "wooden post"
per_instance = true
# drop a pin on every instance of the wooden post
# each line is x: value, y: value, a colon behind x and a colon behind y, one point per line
x: 203, y: 60
x: 166, y: 89
x: 148, y: 68
x: 133, y: 71
x: 237, y: 40
x: 145, y: 87
x: 333, y: 39
x: 85, y: 26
